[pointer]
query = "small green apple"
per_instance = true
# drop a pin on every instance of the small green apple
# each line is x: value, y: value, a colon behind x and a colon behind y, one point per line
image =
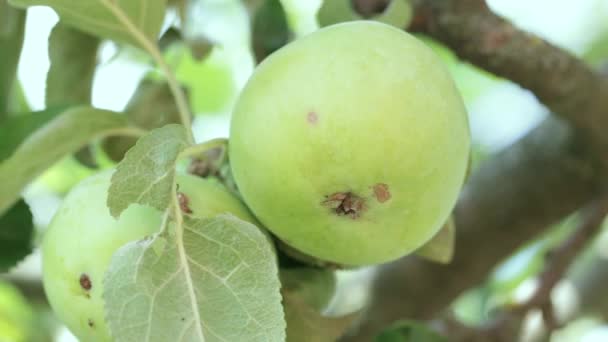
x: 82, y: 237
x: 351, y: 144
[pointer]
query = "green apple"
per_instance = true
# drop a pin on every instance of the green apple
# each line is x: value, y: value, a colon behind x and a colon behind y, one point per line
x: 82, y: 237
x: 351, y: 144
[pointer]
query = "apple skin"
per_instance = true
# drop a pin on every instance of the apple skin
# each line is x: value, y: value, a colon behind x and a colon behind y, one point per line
x: 82, y: 237
x: 351, y: 144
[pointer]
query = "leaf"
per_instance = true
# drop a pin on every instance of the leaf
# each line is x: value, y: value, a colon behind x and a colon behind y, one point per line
x: 147, y: 173
x: 12, y: 26
x: 218, y: 282
x: 73, y: 57
x: 409, y: 331
x: 305, y: 324
x: 106, y: 18
x: 270, y: 29
x: 17, y: 128
x: 441, y: 247
x: 16, y: 231
x: 59, y: 137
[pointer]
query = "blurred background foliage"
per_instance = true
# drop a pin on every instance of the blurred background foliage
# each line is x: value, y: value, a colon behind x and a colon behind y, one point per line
x: 214, y: 65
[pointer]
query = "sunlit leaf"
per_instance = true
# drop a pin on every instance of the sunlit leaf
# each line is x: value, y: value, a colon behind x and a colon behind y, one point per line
x: 106, y: 18
x: 147, y: 173
x: 217, y: 281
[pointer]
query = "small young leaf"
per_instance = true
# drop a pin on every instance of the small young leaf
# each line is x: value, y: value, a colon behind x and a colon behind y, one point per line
x: 12, y: 25
x: 16, y: 231
x: 147, y: 173
x: 61, y: 136
x: 218, y: 282
x: 409, y: 331
x: 103, y: 17
x: 73, y: 57
x: 306, y: 324
x: 17, y: 128
x: 441, y: 247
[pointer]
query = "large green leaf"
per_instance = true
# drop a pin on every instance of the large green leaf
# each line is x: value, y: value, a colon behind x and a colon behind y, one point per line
x: 61, y: 136
x: 125, y: 21
x: 12, y: 24
x: 17, y: 128
x: 73, y: 57
x: 147, y: 173
x: 16, y: 231
x: 216, y: 281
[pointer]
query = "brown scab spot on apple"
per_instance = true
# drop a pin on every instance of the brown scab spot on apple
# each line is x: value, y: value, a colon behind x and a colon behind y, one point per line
x: 312, y: 118
x: 345, y: 204
x: 85, y: 282
x: 91, y: 323
x: 381, y: 192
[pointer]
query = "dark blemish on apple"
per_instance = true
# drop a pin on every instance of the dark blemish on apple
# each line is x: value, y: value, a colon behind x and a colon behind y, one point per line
x: 184, y: 203
x: 85, y: 282
x: 91, y: 323
x: 381, y: 192
x: 312, y: 118
x: 345, y: 204
x: 183, y: 319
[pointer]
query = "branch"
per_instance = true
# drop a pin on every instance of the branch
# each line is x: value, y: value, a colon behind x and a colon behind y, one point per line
x: 564, y: 83
x: 562, y: 257
x: 508, y: 324
x: 511, y: 198
x: 590, y: 281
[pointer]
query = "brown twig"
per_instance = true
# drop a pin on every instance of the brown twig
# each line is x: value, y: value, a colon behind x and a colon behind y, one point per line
x: 561, y: 81
x: 560, y: 259
x: 508, y: 324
